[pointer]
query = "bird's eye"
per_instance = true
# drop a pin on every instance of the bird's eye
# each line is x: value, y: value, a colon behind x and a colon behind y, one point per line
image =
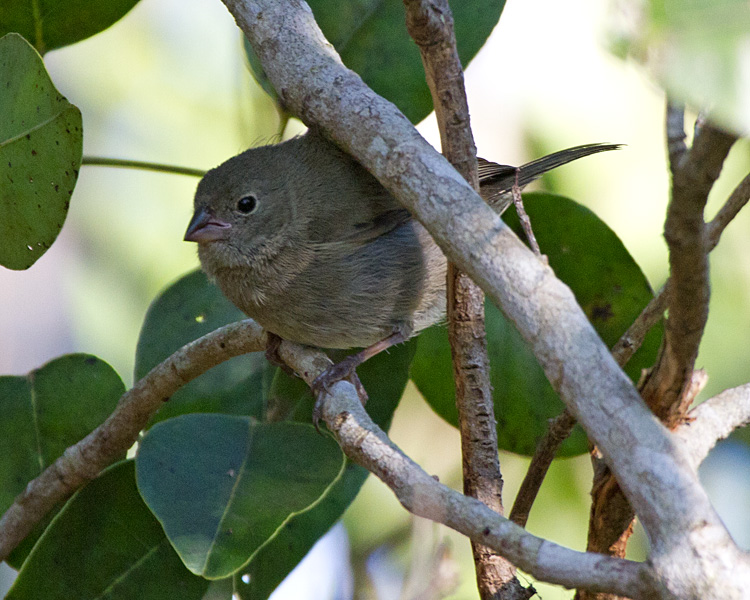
x: 247, y: 204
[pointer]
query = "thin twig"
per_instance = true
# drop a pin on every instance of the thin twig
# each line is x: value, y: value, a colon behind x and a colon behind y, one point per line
x: 736, y: 201
x: 558, y: 431
x: 430, y: 24
x: 523, y: 217
x: 631, y: 340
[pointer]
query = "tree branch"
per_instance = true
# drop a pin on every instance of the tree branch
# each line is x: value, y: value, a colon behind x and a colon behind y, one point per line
x: 430, y: 24
x: 103, y: 446
x: 86, y: 459
x: 609, y: 532
x: 632, y: 339
x: 713, y: 420
x: 672, y: 385
x: 728, y: 212
x: 693, y: 175
x: 558, y: 431
x: 312, y: 82
x: 367, y: 445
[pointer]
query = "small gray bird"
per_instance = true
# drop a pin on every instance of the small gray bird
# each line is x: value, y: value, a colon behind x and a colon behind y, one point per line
x: 304, y: 240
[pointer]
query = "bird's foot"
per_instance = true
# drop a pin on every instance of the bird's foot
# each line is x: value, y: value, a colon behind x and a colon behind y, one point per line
x: 344, y: 370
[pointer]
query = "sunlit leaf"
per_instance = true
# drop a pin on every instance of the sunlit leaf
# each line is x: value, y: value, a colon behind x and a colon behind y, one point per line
x: 223, y: 485
x: 699, y: 50
x: 50, y: 24
x: 41, y: 142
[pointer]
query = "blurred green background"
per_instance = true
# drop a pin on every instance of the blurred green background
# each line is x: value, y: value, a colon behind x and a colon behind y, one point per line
x: 168, y: 84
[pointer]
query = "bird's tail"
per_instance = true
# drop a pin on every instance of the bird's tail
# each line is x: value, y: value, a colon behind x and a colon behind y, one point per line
x: 497, y: 180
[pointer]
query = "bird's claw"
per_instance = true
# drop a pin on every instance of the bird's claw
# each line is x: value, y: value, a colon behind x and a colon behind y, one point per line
x: 322, y: 385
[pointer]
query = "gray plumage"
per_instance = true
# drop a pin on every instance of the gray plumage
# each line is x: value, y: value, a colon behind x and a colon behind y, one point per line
x: 325, y: 256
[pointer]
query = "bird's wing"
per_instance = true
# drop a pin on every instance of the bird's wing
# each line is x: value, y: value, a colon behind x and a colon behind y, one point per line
x: 359, y: 219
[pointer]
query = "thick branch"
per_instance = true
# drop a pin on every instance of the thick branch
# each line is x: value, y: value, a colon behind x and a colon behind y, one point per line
x: 366, y: 444
x: 672, y: 385
x: 430, y: 24
x: 313, y: 83
x: 86, y: 459
x: 693, y: 175
x: 563, y: 424
x: 713, y: 420
x: 632, y: 339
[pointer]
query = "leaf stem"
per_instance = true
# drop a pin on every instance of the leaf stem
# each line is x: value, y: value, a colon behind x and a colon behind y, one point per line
x: 38, y: 29
x: 100, y: 161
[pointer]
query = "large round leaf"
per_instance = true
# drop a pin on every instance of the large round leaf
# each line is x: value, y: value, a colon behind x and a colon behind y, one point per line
x: 42, y: 414
x: 50, y: 24
x: 48, y: 410
x: 41, y: 142
x: 274, y: 561
x: 371, y: 37
x: 188, y: 309
x: 609, y: 286
x: 223, y: 485
x: 106, y: 544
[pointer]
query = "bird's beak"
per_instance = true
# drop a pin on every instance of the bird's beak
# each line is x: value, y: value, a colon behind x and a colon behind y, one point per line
x: 204, y: 227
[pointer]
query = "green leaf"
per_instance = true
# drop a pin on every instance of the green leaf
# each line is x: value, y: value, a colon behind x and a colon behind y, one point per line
x: 185, y: 311
x: 48, y: 410
x: 106, y: 544
x: 41, y: 142
x: 50, y: 24
x: 371, y: 37
x: 698, y: 51
x: 609, y: 286
x: 42, y: 414
x: 384, y: 377
x: 223, y: 485
x: 275, y: 560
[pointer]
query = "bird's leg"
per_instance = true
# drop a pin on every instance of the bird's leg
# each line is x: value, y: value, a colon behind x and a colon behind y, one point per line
x: 272, y: 353
x: 346, y: 369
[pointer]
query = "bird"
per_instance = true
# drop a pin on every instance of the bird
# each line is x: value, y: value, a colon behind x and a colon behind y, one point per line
x: 303, y: 239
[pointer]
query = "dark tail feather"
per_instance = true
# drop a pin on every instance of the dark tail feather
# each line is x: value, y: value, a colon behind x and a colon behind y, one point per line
x: 497, y: 180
